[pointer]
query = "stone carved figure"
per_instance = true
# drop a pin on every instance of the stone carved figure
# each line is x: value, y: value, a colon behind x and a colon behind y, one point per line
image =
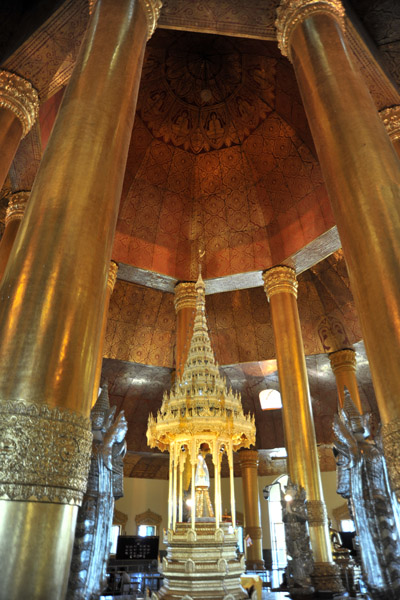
x: 92, y: 536
x: 300, y: 564
x: 363, y: 480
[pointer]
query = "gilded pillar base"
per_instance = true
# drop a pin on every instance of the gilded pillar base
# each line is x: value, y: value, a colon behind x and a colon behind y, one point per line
x: 254, y: 561
x: 326, y: 575
x: 43, y: 471
x: 326, y: 578
x: 45, y: 453
x: 391, y: 445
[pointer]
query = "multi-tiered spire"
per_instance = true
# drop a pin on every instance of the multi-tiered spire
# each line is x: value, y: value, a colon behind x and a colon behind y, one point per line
x: 200, y: 402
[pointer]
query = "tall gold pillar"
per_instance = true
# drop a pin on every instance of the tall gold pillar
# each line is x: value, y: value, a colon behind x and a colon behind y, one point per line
x: 14, y: 213
x: 343, y: 363
x: 362, y: 175
x: 19, y: 108
x: 252, y: 511
x: 52, y: 304
x: 391, y: 120
x: 185, y: 307
x: 111, y: 279
x: 280, y: 285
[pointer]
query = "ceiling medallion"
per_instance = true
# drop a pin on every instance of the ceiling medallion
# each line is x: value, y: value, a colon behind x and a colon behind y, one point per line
x: 205, y: 92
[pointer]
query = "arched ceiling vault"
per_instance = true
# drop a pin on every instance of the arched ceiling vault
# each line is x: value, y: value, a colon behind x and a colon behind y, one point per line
x: 221, y: 156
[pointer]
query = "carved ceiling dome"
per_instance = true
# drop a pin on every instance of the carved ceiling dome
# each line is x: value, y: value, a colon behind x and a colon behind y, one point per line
x: 204, y: 92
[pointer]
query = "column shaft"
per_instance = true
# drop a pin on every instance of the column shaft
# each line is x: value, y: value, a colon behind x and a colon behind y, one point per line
x: 343, y: 363
x: 303, y: 466
x: 185, y: 307
x: 252, y: 512
x: 362, y: 174
x: 112, y: 276
x: 52, y: 303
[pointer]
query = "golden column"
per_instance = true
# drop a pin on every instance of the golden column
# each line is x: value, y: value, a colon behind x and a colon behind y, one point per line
x: 252, y: 511
x: 19, y: 108
x: 280, y: 285
x: 343, y: 363
x: 185, y: 308
x: 14, y: 213
x: 362, y: 175
x: 52, y: 304
x: 112, y: 278
x: 391, y: 120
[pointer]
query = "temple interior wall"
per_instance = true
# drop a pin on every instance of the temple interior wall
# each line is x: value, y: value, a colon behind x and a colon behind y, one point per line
x: 143, y: 494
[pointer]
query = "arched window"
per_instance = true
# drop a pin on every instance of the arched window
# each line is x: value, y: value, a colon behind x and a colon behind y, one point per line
x: 148, y: 523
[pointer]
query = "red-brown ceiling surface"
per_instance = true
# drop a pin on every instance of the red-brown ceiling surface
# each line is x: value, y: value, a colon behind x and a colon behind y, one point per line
x: 221, y: 155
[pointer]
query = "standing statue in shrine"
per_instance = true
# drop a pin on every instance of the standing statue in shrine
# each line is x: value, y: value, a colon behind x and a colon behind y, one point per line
x: 204, y: 509
x: 363, y: 480
x: 93, y: 529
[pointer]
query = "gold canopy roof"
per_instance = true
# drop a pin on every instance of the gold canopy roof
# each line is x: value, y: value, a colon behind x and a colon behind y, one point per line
x: 200, y: 403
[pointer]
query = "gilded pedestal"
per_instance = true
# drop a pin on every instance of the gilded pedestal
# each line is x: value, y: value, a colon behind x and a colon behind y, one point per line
x: 281, y: 288
x: 52, y: 304
x: 252, y: 513
x: 202, y: 564
x: 361, y: 170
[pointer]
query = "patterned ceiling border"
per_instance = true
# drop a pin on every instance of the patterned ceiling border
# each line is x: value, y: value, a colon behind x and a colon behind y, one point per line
x: 317, y: 250
x: 47, y: 58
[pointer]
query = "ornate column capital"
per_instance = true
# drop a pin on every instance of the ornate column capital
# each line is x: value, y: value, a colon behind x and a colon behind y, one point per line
x: 249, y: 458
x: 343, y: 360
x: 292, y: 12
x: 152, y: 10
x: 391, y: 120
x: 281, y: 279
x: 112, y: 276
x: 16, y: 206
x: 19, y: 96
x: 185, y: 295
